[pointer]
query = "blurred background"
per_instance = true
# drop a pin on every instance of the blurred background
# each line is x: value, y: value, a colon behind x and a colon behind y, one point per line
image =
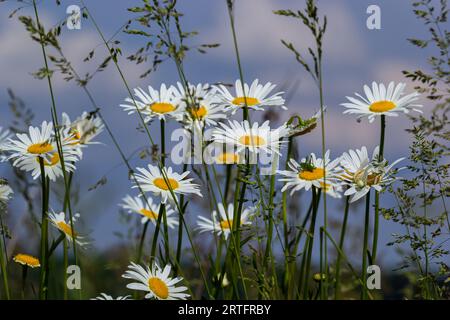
x: 353, y: 56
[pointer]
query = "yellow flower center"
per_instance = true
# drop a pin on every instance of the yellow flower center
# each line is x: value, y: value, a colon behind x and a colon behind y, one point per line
x: 198, y: 113
x: 158, y: 287
x: 241, y: 101
x: 382, y: 106
x: 228, y: 158
x: 40, y: 148
x: 162, y: 107
x: 251, y: 140
x: 149, y: 214
x: 163, y: 185
x: 226, y: 224
x: 310, y: 175
x: 54, y: 160
x: 64, y: 227
x: 28, y: 260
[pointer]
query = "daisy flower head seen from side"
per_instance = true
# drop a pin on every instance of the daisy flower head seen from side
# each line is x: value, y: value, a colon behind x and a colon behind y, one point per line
x: 156, y: 282
x: 148, y: 210
x: 29, y: 151
x: 360, y: 173
x: 59, y: 221
x: 222, y: 222
x: 255, y: 97
x: 84, y: 128
x: 154, y: 181
x: 163, y: 104
x: 104, y: 296
x: 27, y: 260
x: 255, y: 138
x: 380, y: 100
x: 312, y: 171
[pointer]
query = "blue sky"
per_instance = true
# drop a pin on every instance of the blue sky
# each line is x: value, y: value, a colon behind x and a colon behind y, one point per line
x: 353, y: 56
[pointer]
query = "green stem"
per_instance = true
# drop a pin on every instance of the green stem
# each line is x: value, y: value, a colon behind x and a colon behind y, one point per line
x: 311, y: 233
x: 377, y: 194
x: 287, y: 256
x: 24, y: 280
x: 44, y: 232
x: 365, y: 246
x: 3, y: 259
x: 66, y: 265
x: 341, y: 248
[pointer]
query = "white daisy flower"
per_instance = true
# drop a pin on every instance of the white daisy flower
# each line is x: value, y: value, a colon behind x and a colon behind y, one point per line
x: 152, y: 180
x: 361, y: 174
x: 381, y: 101
x: 255, y: 97
x: 222, y: 222
x: 156, y: 282
x: 148, y: 210
x: 104, y: 296
x: 310, y: 172
x: 84, y: 128
x: 5, y: 191
x: 255, y: 138
x: 167, y: 102
x: 59, y: 221
x: 204, y: 110
x: 28, y: 151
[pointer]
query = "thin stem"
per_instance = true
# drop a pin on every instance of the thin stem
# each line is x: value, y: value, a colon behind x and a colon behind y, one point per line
x: 311, y: 232
x: 3, y: 259
x: 286, y: 282
x: 44, y: 232
x: 24, y: 280
x: 66, y: 265
x: 341, y: 247
x: 377, y: 194
x: 365, y: 246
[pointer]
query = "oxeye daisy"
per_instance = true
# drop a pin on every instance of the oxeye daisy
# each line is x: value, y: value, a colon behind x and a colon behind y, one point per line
x: 28, y: 151
x: 59, y: 221
x: 27, y: 260
x: 360, y: 173
x: 254, y: 96
x: 167, y: 102
x: 382, y: 101
x: 222, y: 222
x: 310, y: 172
x: 104, y: 296
x: 255, y: 138
x: 156, y: 282
x: 84, y: 128
x: 5, y: 191
x: 153, y: 180
x: 148, y: 210
x: 203, y: 110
